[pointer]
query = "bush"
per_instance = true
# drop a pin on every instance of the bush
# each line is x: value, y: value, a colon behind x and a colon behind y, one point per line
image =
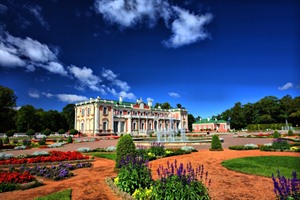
x: 42, y: 141
x: 280, y: 144
x: 70, y: 139
x: 6, y: 140
x: 134, y: 173
x: 84, y: 149
x: 26, y: 143
x: 61, y: 131
x: 216, y: 144
x: 157, y: 149
x: 290, y: 133
x: 10, y: 133
x: 73, y: 132
x: 243, y: 147
x: 276, y: 134
x: 125, y: 147
x: 176, y: 182
x: 30, y: 132
x: 46, y: 132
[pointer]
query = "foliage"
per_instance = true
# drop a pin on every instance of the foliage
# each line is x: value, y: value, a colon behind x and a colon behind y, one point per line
x: 286, y: 188
x: 242, y: 147
x: 1, y: 143
x: 280, y: 144
x: 177, y: 182
x: 191, y: 120
x: 70, y: 139
x: 216, y: 143
x: 61, y: 195
x: 111, y: 149
x: 133, y: 174
x: 26, y: 143
x: 290, y: 133
x: 42, y: 141
x: 143, y: 193
x: 73, y: 132
x: 46, y: 132
x: 15, y: 177
x: 157, y: 149
x: 125, y: 147
x: 264, y: 165
x: 84, y: 149
x: 10, y: 132
x: 272, y: 126
x: 7, y: 113
x: 30, y: 132
x: 111, y: 156
x: 6, y: 140
x: 61, y: 131
x: 69, y: 115
x: 276, y: 134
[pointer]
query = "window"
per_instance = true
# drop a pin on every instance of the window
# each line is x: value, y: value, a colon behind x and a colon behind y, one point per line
x: 82, y: 112
x: 121, y: 112
x: 88, y: 111
x: 105, y: 125
x: 105, y: 110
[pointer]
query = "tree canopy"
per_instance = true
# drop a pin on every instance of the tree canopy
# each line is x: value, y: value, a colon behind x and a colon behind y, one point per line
x: 7, y: 112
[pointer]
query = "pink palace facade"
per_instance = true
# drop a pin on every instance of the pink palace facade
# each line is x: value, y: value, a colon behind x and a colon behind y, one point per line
x: 96, y: 116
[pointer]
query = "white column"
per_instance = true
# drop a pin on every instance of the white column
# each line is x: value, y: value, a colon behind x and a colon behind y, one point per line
x: 129, y: 121
x: 119, y: 127
x: 75, y: 120
x: 96, y: 122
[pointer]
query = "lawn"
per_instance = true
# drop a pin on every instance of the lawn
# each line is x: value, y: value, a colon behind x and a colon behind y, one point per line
x: 108, y: 155
x: 62, y: 195
x: 264, y: 165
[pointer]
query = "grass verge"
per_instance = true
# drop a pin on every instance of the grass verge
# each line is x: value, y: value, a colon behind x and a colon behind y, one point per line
x: 108, y: 155
x: 61, y: 195
x: 264, y: 165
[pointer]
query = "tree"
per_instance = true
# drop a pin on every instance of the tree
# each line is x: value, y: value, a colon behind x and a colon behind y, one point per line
x: 157, y: 105
x: 7, y: 112
x: 68, y: 113
x: 26, y: 118
x: 237, y: 118
x: 191, y: 120
x: 166, y: 105
x: 179, y: 105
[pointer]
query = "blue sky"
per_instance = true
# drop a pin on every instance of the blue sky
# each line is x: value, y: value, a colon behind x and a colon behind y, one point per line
x: 206, y: 55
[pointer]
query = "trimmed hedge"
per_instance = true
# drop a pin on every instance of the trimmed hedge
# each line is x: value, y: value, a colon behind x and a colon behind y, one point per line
x: 125, y: 147
x: 242, y: 148
x: 216, y: 144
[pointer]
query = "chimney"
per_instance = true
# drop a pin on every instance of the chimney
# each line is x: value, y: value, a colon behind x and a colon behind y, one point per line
x: 150, y: 102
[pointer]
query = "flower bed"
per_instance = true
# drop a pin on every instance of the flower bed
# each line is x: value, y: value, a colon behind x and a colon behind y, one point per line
x: 55, y: 156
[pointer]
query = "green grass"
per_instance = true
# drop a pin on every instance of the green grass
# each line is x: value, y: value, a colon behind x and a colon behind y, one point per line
x: 264, y: 165
x: 61, y: 195
x: 108, y: 155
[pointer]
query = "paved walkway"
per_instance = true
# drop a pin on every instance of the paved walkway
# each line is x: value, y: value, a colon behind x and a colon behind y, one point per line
x: 229, y: 140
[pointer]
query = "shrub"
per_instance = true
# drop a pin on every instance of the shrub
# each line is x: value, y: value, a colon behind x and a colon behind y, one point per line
x: 10, y: 133
x: 1, y: 143
x: 216, y: 144
x: 61, y: 131
x: 30, y: 132
x: 73, y: 132
x: 290, y: 133
x: 20, y: 147
x: 84, y: 149
x: 134, y: 173
x: 286, y: 188
x: 5, y: 156
x: 70, y: 139
x: 243, y: 147
x: 176, y: 182
x: 42, y: 141
x: 6, y: 140
x: 189, y: 148
x: 280, y: 144
x: 111, y: 149
x: 26, y: 142
x: 157, y: 149
x: 46, y: 132
x: 125, y: 147
x: 266, y: 148
x: 276, y: 134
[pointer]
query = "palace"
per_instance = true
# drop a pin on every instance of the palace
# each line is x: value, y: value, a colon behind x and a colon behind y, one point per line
x: 96, y: 116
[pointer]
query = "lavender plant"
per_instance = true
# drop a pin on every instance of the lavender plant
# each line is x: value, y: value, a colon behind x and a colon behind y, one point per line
x: 280, y: 144
x: 286, y: 189
x: 179, y: 182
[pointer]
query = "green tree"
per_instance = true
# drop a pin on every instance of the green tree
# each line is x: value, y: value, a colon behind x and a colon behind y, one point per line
x: 191, y: 120
x: 68, y: 113
x: 216, y: 143
x: 26, y: 118
x: 166, y: 105
x: 125, y: 147
x: 7, y: 112
x: 237, y: 118
x: 179, y: 105
x: 157, y: 105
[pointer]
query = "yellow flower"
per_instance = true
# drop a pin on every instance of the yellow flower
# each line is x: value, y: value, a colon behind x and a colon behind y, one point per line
x: 116, y: 181
x: 150, y: 154
x: 169, y: 152
x: 294, y: 148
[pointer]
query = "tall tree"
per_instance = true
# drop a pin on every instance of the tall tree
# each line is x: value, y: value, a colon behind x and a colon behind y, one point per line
x: 27, y: 119
x: 166, y: 105
x: 238, y: 118
x: 179, y: 105
x: 7, y: 112
x: 69, y: 114
x: 191, y: 120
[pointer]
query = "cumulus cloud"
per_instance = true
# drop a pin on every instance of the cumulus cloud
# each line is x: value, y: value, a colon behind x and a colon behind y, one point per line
x: 174, y: 94
x: 36, y: 11
x: 86, y: 77
x: 34, y: 93
x: 71, y: 98
x: 112, y: 77
x: 127, y: 95
x: 286, y: 86
x: 48, y: 95
x: 186, y: 27
x: 8, y: 57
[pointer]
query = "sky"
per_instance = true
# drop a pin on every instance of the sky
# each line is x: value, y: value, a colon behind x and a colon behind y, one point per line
x: 205, y: 55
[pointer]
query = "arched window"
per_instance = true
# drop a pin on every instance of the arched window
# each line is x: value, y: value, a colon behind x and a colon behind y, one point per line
x: 105, y: 110
x: 82, y: 112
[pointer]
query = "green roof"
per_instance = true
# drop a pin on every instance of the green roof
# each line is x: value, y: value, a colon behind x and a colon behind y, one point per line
x: 210, y: 121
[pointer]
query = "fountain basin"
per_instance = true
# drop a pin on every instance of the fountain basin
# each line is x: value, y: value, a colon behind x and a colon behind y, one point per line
x: 145, y: 142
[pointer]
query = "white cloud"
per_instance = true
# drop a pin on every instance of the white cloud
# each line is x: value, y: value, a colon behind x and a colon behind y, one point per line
x: 48, y: 95
x: 71, y: 98
x: 55, y: 68
x: 34, y: 93
x: 36, y: 11
x: 86, y: 77
x: 126, y: 95
x: 150, y: 99
x: 3, y: 9
x: 286, y: 86
x: 8, y: 58
x: 174, y: 94
x: 112, y: 77
x: 187, y: 28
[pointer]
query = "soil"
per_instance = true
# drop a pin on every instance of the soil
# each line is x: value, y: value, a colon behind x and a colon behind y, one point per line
x: 89, y: 182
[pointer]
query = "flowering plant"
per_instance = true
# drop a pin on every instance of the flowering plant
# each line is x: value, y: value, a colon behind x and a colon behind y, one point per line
x: 286, y: 188
x: 15, y: 177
